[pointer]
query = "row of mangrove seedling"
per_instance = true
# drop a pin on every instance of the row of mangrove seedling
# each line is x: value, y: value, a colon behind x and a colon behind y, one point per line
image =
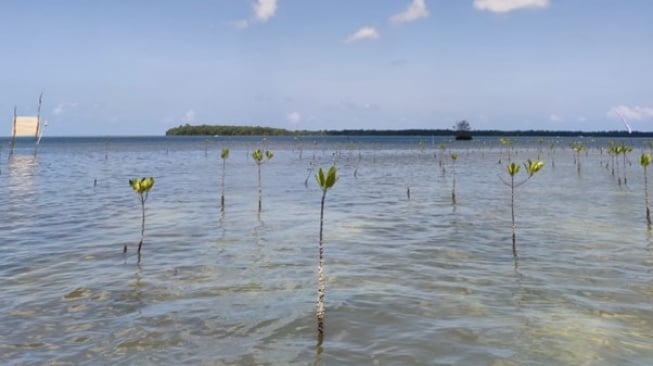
x: 326, y: 179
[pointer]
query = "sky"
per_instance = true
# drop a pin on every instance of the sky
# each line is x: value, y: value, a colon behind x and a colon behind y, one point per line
x: 122, y: 67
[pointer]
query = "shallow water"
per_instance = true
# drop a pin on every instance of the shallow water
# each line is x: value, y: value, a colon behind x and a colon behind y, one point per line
x: 409, y: 282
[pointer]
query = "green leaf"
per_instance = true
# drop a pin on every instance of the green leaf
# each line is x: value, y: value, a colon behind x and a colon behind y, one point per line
x: 320, y: 178
x: 513, y: 168
x: 533, y: 167
x: 257, y: 155
x: 141, y: 185
x: 328, y: 179
x: 224, y: 154
x: 645, y: 160
x: 331, y: 177
x: 146, y: 184
x: 135, y: 184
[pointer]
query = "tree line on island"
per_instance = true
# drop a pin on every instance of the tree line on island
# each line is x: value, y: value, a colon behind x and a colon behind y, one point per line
x: 232, y: 130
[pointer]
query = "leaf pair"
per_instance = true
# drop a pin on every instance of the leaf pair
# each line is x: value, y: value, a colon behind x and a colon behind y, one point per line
x: 141, y: 185
x: 513, y: 169
x: 224, y: 154
x: 531, y: 166
x: 645, y: 160
x: 577, y: 147
x: 258, y: 155
x: 327, y: 180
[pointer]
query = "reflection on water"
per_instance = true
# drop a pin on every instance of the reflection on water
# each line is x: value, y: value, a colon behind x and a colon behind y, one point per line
x: 21, y: 174
x: 409, y: 282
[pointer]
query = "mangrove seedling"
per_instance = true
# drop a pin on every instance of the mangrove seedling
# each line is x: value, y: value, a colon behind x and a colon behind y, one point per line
x: 142, y: 187
x: 552, y: 154
x: 441, y: 162
x: 358, y: 163
x: 540, y: 141
x: 645, y: 161
x: 532, y: 167
x: 258, y: 155
x: 325, y: 181
x: 309, y: 171
x: 454, y: 157
x: 223, y: 155
x: 577, y: 148
x: 625, y: 150
x: 505, y: 142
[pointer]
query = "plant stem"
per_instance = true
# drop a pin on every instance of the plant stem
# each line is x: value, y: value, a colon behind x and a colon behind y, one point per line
x: 260, y: 190
x: 453, y: 189
x: 320, y: 278
x: 140, y: 244
x: 512, y: 211
x: 648, y: 211
x: 224, y: 165
x: 625, y: 178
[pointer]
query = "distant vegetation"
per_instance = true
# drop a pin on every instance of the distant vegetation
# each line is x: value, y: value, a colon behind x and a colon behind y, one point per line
x: 225, y: 130
x: 211, y: 130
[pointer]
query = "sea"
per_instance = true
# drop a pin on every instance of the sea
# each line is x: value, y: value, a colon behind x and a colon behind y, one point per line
x: 412, y: 276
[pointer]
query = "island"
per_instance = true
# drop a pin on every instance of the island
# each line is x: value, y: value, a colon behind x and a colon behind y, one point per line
x: 234, y: 130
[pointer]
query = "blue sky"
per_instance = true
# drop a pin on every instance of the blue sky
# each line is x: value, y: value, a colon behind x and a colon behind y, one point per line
x: 119, y: 67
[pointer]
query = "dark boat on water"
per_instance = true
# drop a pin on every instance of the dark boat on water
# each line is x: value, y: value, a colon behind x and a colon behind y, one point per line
x: 463, y: 135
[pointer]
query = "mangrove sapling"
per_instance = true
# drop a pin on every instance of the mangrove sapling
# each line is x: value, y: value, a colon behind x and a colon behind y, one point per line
x: 358, y: 163
x: 532, y: 167
x: 309, y: 171
x: 454, y: 157
x: 142, y: 187
x: 301, y: 150
x: 645, y: 161
x: 540, y: 141
x: 618, y: 150
x: 552, y: 154
x: 325, y: 181
x: 223, y: 155
x: 258, y: 155
x: 612, y: 151
x: 505, y: 142
x: 441, y: 162
x: 577, y: 148
x: 625, y: 150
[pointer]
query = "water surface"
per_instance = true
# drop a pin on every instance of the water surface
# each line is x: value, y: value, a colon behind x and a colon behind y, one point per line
x: 416, y: 281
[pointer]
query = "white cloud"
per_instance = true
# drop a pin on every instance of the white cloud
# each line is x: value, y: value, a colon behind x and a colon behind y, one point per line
x: 294, y: 117
x: 635, y: 113
x: 505, y: 6
x: 189, y: 116
x: 555, y: 118
x: 363, y: 34
x: 414, y: 11
x: 263, y: 11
